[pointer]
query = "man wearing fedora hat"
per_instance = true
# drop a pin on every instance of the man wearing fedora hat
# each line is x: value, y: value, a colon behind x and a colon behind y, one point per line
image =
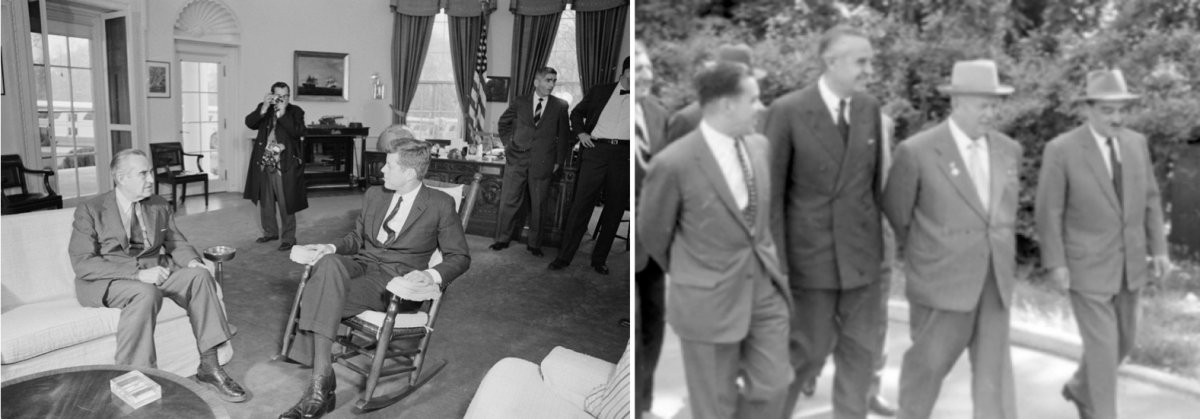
x: 688, y: 118
x: 951, y: 197
x: 1098, y: 210
x: 826, y: 144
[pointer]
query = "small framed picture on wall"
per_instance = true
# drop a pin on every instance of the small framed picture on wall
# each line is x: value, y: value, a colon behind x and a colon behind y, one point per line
x: 158, y: 79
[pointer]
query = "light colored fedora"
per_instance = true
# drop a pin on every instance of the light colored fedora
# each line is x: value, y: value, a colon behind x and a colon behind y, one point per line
x: 977, y: 77
x: 1106, y: 85
x: 739, y: 53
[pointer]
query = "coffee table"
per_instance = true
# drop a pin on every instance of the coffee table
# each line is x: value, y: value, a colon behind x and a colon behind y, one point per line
x: 83, y: 392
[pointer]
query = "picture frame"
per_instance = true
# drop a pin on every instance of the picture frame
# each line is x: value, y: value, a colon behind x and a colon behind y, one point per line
x: 321, y: 76
x: 158, y: 79
x: 496, y: 89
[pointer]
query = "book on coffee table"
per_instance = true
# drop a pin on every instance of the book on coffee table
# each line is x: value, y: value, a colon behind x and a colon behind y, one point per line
x: 135, y: 389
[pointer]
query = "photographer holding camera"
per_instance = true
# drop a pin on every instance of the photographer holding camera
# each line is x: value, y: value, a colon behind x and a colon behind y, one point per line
x: 276, y: 174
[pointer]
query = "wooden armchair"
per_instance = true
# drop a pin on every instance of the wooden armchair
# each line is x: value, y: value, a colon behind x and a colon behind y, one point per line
x: 14, y: 172
x: 169, y: 167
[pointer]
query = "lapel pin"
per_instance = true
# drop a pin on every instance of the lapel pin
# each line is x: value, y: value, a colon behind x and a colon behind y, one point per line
x: 953, y: 169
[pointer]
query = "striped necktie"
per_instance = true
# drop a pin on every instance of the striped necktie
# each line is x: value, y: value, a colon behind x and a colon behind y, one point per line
x: 751, y: 210
x: 537, y: 112
x: 391, y: 234
x: 1116, y: 170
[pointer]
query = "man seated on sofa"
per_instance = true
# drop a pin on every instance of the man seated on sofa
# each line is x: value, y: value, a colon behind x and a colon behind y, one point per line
x: 128, y: 254
x: 400, y: 227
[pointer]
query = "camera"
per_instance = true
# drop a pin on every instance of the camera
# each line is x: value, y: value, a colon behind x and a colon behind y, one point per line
x: 275, y: 100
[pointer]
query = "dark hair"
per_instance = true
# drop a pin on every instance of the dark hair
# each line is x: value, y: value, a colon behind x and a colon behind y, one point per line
x: 542, y: 72
x: 279, y: 84
x: 413, y: 153
x: 723, y: 79
x: 120, y: 158
x: 625, y: 65
x: 835, y: 33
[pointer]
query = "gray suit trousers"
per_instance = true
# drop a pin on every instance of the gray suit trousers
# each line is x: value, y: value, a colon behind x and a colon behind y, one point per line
x: 1108, y: 326
x: 192, y: 288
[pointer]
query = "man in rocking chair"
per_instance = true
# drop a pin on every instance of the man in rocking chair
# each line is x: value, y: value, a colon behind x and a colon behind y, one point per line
x: 401, y: 225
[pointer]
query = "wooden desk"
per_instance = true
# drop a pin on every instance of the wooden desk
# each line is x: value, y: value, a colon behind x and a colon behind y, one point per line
x: 83, y: 392
x: 486, y: 218
x: 332, y: 156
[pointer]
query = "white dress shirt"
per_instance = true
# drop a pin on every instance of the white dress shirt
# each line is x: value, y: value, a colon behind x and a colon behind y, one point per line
x: 724, y: 149
x: 1102, y: 142
x: 831, y: 101
x: 965, y: 145
x: 125, y: 204
x: 545, y: 102
x: 613, y: 123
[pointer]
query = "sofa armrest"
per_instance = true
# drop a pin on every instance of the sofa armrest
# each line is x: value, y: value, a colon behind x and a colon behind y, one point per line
x: 573, y: 375
x: 513, y: 388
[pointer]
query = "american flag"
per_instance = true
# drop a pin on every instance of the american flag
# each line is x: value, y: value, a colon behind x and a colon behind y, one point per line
x: 476, y: 117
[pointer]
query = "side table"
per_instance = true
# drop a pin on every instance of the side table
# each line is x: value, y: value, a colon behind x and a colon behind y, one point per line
x: 83, y: 392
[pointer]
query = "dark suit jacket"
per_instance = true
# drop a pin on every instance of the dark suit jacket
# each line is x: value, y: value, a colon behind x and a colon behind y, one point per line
x: 656, y: 121
x: 691, y: 225
x: 826, y: 191
x: 1083, y: 225
x: 684, y: 121
x: 945, y: 235
x: 99, y: 246
x: 538, y: 147
x: 289, y: 128
x: 433, y: 224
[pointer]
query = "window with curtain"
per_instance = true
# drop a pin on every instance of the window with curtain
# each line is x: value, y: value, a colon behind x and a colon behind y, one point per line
x: 435, y: 112
x: 563, y: 59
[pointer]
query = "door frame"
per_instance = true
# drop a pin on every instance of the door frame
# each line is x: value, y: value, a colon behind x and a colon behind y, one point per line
x: 232, y: 153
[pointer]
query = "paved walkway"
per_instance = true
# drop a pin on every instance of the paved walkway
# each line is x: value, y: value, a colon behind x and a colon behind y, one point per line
x: 1039, y: 380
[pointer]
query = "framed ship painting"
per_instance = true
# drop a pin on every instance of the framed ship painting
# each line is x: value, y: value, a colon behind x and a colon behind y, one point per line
x: 321, y: 76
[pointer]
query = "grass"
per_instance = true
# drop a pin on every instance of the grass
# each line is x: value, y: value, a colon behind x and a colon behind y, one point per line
x: 1168, y: 329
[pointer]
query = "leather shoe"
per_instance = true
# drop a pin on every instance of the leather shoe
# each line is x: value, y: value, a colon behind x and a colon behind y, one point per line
x: 221, y: 383
x: 498, y: 246
x: 1084, y: 411
x: 285, y: 246
x: 557, y: 265
x: 319, y: 398
x: 881, y: 406
x: 537, y: 251
x: 602, y: 269
x: 265, y: 239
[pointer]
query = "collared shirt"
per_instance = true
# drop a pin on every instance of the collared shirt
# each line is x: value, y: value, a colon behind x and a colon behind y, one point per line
x: 545, y: 102
x: 613, y: 122
x: 397, y: 222
x: 125, y: 204
x: 964, y: 144
x: 724, y: 149
x: 831, y: 100
x: 1102, y: 142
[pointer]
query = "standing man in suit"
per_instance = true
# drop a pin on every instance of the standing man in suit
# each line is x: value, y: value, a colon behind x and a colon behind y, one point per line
x: 826, y: 142
x: 601, y: 123
x: 650, y: 120
x: 128, y: 254
x: 275, y: 179
x: 536, y: 134
x: 704, y: 217
x: 401, y: 225
x: 1098, y: 212
x: 688, y: 118
x: 951, y: 197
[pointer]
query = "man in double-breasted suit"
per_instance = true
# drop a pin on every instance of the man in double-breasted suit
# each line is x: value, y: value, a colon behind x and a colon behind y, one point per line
x: 536, y: 132
x: 401, y: 225
x: 1098, y: 212
x: 275, y: 178
x: 703, y: 216
x: 650, y: 119
x: 128, y: 254
x: 951, y: 197
x: 826, y: 142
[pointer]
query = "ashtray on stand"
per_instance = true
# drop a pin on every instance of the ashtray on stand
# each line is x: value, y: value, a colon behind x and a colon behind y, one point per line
x: 219, y: 255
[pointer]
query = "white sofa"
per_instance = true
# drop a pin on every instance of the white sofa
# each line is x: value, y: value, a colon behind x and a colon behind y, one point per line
x: 42, y: 325
x: 516, y: 388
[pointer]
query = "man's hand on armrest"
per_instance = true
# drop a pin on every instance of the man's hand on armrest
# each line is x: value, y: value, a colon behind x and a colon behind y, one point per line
x: 196, y: 263
x: 424, y: 278
x: 309, y: 254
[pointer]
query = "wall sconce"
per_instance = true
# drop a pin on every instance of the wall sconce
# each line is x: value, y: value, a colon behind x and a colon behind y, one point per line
x: 376, y: 86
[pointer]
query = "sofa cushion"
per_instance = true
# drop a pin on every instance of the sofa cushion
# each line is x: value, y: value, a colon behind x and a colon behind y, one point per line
x: 34, y: 329
x: 573, y: 375
x: 35, y: 264
x: 611, y: 399
x: 514, y: 389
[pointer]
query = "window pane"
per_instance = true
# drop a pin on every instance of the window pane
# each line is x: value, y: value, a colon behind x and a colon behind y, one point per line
x: 208, y: 77
x: 58, y: 50
x: 208, y: 133
x: 67, y: 183
x: 61, y: 84
x: 85, y: 132
x: 191, y: 138
x: 563, y: 59
x: 81, y: 87
x: 38, y: 57
x: 85, y: 169
x: 81, y: 53
x: 191, y: 106
x: 190, y: 74
x: 209, y: 103
x: 435, y: 112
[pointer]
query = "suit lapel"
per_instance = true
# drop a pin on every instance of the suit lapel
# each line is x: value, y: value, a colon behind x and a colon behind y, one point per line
x: 112, y: 212
x: 1128, y: 167
x: 712, y: 170
x: 1095, y: 160
x: 760, y: 165
x: 151, y: 225
x: 816, y: 116
x: 857, y: 135
x: 1000, y: 165
x: 418, y: 207
x: 379, y: 210
x: 954, y: 167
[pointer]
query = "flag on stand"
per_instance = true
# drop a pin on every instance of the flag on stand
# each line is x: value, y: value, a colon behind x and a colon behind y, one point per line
x: 477, y: 118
